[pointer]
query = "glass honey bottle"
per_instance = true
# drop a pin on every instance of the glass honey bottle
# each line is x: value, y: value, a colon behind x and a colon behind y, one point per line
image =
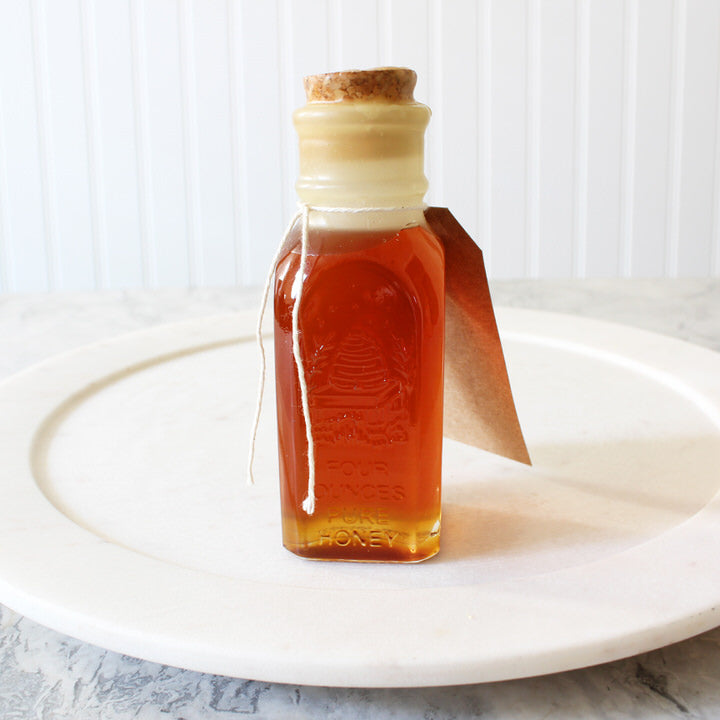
x: 370, y: 328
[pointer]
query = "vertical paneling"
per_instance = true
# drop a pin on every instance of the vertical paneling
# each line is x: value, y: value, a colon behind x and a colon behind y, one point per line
x: 509, y: 132
x: 580, y: 136
x: 151, y: 142
x: 533, y: 89
x: 355, y: 37
x: 5, y: 270
x: 23, y: 211
x: 67, y: 149
x: 310, y: 50
x: 555, y: 253
x: 305, y: 27
x: 605, y: 138
x: 435, y: 94
x: 88, y: 26
x: 484, y: 159
x: 629, y: 136
x: 654, y: 66
x: 459, y: 101
x: 715, y: 267
x: 409, y: 39
x: 698, y: 139
x: 262, y: 214
x: 286, y: 90
x: 675, y: 136
x: 121, y: 184
x: 191, y: 141
x: 311, y: 31
x: 213, y: 136
x: 169, y: 195
x: 44, y: 124
x: 238, y: 135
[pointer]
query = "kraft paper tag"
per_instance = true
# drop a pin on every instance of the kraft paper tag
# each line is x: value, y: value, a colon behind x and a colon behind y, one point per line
x: 479, y: 406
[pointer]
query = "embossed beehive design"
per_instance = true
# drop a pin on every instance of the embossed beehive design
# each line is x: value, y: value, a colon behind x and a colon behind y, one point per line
x: 363, y: 399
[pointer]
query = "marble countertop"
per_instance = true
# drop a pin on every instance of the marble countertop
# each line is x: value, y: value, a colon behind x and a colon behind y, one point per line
x: 44, y: 674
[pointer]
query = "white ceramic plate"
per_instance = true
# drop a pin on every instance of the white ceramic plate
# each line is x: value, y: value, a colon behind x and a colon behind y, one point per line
x: 125, y: 520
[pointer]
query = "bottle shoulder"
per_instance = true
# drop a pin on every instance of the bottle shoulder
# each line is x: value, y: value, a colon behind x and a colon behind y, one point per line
x: 332, y: 246
x: 408, y: 263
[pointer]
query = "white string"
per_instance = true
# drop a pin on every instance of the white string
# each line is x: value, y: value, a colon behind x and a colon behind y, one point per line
x: 261, y: 346
x: 308, y: 504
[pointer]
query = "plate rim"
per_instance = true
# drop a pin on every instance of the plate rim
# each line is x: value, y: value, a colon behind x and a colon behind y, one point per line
x: 38, y: 581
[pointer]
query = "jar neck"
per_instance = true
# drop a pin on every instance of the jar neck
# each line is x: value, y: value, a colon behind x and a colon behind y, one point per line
x: 367, y: 220
x: 362, y: 154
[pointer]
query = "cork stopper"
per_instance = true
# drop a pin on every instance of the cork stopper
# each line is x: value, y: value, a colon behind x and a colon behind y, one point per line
x: 390, y: 84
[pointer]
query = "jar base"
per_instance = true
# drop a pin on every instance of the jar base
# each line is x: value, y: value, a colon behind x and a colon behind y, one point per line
x: 404, y: 554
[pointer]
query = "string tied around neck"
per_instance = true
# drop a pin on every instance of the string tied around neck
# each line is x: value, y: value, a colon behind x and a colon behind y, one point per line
x: 303, y: 215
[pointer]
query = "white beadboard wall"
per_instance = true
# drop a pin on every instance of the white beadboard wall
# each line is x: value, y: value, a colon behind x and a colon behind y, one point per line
x: 149, y: 142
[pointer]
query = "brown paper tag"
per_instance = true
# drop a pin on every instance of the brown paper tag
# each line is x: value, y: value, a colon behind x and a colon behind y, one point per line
x: 479, y: 406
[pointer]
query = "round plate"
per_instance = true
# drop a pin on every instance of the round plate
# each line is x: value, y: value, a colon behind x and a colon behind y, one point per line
x: 125, y: 519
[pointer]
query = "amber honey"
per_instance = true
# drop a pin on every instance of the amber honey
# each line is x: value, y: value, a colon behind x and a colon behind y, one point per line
x: 371, y: 338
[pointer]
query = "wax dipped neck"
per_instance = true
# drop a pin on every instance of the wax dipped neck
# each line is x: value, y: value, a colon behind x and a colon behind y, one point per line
x: 370, y: 219
x: 364, y: 148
